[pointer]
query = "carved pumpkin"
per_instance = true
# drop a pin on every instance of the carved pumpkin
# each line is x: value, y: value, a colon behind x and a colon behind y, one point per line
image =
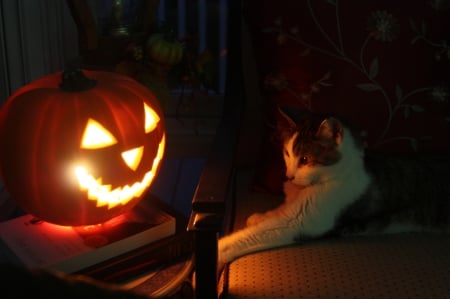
x: 80, y: 151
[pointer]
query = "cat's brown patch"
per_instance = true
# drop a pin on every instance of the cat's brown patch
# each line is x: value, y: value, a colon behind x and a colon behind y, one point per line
x: 319, y: 147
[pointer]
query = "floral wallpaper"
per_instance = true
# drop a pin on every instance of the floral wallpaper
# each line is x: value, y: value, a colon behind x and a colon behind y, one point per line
x: 384, y: 65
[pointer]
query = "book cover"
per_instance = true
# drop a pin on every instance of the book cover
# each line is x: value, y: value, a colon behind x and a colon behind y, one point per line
x: 146, y: 259
x: 38, y: 244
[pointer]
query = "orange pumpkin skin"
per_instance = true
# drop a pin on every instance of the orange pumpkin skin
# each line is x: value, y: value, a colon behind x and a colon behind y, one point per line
x: 41, y: 128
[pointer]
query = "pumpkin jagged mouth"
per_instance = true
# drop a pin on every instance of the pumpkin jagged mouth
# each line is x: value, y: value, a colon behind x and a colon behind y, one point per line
x: 104, y: 195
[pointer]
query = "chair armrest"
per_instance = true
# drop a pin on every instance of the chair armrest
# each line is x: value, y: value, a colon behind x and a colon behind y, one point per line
x: 216, y: 184
x: 208, y: 205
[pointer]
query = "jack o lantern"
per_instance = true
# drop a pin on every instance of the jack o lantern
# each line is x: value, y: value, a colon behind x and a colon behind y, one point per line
x: 79, y: 150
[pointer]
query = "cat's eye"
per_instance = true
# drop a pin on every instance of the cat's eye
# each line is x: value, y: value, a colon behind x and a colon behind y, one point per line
x: 286, y: 153
x: 303, y: 160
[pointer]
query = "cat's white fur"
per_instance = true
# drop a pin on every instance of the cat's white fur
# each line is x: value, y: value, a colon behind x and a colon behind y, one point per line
x: 313, y: 201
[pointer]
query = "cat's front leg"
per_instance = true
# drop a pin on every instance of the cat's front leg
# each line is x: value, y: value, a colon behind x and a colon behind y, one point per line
x: 273, y: 232
x: 256, y: 218
x: 281, y: 226
x: 291, y: 192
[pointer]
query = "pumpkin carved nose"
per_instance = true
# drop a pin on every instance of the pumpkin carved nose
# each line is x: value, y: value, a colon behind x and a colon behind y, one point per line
x: 133, y: 157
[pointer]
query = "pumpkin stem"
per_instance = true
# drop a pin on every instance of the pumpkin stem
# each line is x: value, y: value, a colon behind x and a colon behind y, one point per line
x: 74, y: 80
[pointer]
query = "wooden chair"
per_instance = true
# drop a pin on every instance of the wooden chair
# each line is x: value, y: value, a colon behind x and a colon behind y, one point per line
x: 389, y: 266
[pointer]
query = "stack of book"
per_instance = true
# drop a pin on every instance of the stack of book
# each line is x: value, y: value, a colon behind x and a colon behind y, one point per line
x: 123, y: 250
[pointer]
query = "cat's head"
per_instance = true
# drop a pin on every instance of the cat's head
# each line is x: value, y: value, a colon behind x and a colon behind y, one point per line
x: 312, y: 145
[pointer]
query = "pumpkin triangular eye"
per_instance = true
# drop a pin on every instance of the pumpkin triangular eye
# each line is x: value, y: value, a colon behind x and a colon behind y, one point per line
x: 151, y: 119
x: 96, y: 136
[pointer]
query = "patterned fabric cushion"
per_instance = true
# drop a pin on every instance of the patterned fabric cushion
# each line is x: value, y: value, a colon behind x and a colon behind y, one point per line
x: 389, y: 266
x: 404, y: 266
x: 384, y: 65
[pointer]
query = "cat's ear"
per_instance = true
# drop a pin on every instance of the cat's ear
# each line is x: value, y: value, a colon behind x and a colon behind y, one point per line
x: 287, y: 120
x: 331, y: 128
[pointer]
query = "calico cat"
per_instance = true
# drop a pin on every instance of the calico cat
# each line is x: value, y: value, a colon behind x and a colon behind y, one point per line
x: 335, y: 187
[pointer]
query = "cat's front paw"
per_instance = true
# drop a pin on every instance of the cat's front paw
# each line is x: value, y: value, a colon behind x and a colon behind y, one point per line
x: 255, y: 219
x: 226, y: 251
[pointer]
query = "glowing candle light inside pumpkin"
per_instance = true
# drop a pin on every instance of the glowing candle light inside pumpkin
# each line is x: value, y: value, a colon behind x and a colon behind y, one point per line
x: 120, y: 195
x: 96, y: 136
